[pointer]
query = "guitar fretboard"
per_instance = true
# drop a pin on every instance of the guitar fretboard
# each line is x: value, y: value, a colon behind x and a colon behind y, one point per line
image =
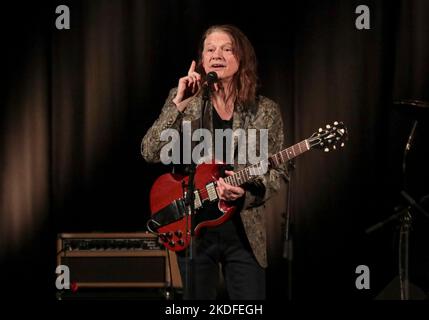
x: 252, y: 171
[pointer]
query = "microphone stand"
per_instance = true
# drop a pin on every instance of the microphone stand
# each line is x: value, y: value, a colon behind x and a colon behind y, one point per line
x: 190, y: 203
x: 404, y: 231
x: 404, y: 235
x: 405, y: 218
x: 288, y: 244
x: 406, y: 151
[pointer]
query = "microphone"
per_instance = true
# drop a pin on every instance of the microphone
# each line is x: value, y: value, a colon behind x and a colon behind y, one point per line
x: 211, y: 77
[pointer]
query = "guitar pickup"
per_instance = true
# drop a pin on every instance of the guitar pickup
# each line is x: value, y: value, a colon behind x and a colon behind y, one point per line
x: 197, y: 199
x: 197, y: 202
x: 211, y: 191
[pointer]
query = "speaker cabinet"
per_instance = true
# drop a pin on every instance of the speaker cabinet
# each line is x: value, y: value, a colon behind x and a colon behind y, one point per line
x: 117, y: 261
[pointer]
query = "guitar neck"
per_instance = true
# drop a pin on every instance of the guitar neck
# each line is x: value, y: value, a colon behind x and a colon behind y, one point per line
x: 275, y: 160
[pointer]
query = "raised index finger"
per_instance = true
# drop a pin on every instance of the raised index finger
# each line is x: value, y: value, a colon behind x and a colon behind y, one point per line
x: 192, y: 68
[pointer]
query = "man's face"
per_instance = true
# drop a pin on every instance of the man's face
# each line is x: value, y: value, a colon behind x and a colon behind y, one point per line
x: 218, y: 56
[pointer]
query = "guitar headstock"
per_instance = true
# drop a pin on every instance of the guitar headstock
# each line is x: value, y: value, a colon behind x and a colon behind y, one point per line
x: 330, y: 138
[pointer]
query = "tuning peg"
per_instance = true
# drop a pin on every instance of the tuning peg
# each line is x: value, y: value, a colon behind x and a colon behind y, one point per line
x: 342, y: 144
x: 334, y: 147
x: 326, y: 149
x: 328, y: 126
x: 320, y: 129
x: 336, y: 123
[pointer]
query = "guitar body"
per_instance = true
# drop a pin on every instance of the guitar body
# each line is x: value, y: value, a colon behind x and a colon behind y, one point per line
x: 168, y: 188
x: 170, y: 217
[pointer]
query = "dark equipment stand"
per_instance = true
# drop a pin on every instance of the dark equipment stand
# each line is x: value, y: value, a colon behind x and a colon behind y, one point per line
x: 287, y: 240
x: 404, y: 214
x: 189, y: 197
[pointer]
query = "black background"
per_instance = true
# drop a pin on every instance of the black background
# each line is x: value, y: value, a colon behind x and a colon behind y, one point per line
x: 77, y: 102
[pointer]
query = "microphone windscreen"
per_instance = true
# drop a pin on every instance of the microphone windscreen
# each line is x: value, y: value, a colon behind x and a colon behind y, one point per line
x: 211, y: 77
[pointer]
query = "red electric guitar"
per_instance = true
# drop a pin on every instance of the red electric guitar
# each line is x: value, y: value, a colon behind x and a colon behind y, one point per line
x: 169, y: 213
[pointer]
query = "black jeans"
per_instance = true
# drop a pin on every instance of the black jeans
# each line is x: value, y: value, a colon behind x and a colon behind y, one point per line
x: 228, y: 246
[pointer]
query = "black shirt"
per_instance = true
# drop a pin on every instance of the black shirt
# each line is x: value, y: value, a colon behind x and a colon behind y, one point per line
x: 219, y: 123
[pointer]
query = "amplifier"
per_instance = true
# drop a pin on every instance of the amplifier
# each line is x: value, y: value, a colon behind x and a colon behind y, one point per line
x: 117, y: 260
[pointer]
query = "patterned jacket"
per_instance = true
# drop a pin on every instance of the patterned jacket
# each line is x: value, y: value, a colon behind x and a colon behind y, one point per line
x: 264, y: 115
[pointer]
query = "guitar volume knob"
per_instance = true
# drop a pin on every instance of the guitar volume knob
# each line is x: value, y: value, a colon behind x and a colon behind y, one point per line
x: 178, y: 233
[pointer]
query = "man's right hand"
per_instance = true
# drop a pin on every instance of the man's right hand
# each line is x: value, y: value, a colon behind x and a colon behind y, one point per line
x: 190, y: 83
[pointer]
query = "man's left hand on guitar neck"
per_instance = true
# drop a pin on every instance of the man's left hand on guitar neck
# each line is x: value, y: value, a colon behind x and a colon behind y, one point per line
x: 228, y: 192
